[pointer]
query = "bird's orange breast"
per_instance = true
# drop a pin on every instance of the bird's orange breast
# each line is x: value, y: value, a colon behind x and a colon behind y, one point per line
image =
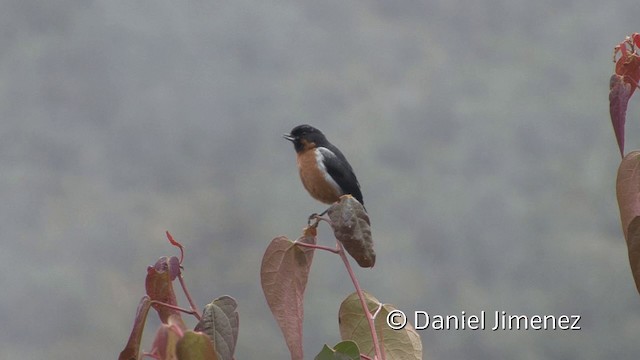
x: 314, y: 178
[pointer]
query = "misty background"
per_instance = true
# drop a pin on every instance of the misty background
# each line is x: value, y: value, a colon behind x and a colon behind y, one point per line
x: 479, y: 131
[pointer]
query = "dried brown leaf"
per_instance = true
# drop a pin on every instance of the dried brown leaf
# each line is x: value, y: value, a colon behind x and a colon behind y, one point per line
x: 352, y: 228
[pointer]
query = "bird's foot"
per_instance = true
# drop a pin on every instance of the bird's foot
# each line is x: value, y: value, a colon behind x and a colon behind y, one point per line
x: 313, y: 217
x: 316, y: 217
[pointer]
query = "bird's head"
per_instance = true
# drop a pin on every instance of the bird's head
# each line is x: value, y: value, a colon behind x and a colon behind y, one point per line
x: 305, y: 137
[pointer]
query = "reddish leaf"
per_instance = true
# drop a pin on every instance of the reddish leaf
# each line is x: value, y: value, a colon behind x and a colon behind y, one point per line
x: 284, y: 273
x: 350, y: 225
x: 132, y: 348
x: 159, y: 287
x: 619, y: 95
x: 174, y: 268
x: 635, y: 37
x: 620, y: 48
x: 633, y: 247
x: 628, y: 66
x: 164, y: 344
x: 628, y: 193
x: 628, y: 189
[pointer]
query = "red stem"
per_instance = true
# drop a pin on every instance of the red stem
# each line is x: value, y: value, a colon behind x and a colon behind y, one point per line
x: 319, y: 247
x: 370, y: 319
x: 177, y: 308
x: 192, y: 304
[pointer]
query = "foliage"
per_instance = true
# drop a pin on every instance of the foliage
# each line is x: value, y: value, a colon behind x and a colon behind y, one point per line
x: 284, y: 273
x: 345, y: 350
x: 398, y: 344
x: 351, y: 227
x: 285, y: 269
x: 622, y: 85
x: 479, y: 127
x: 220, y: 322
x: 215, y: 335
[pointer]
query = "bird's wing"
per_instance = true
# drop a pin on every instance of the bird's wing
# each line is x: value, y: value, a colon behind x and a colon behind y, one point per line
x: 340, y: 170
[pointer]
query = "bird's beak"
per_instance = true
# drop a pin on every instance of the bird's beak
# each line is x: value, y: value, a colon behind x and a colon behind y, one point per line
x: 288, y: 137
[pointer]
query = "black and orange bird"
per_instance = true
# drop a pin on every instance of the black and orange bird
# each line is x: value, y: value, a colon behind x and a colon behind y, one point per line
x: 325, y: 172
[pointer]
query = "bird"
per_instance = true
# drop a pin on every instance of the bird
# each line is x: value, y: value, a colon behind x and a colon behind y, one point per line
x: 324, y: 170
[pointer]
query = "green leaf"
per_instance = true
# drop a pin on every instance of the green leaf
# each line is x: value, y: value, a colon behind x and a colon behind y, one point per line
x: 345, y: 350
x: 195, y: 346
x: 220, y: 322
x: 283, y: 275
x: 351, y: 227
x: 628, y: 193
x: 326, y: 353
x: 402, y: 344
x: 348, y: 348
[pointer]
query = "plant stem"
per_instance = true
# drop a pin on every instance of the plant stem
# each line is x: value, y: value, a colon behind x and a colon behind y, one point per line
x: 340, y: 251
x: 319, y: 247
x: 367, y: 313
x: 177, y: 308
x: 192, y: 304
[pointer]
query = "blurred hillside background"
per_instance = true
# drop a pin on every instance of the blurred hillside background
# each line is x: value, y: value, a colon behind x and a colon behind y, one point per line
x: 479, y: 130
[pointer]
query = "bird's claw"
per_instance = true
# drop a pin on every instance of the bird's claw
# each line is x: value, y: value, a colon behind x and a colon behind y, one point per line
x: 313, y: 217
